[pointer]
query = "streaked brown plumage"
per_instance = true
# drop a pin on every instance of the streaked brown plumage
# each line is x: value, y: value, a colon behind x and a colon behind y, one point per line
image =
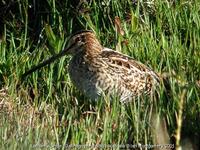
x: 96, y: 70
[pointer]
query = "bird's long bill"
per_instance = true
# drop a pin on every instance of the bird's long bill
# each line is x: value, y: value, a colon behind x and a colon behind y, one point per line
x: 46, y: 62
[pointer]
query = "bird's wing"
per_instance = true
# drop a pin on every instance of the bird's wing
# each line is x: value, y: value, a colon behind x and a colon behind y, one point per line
x: 130, y: 71
x: 122, y: 60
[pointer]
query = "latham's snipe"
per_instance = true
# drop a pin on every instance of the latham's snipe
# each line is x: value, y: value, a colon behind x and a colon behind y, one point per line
x: 96, y: 70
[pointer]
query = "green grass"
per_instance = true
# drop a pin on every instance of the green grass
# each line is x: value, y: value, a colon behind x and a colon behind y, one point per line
x: 48, y: 111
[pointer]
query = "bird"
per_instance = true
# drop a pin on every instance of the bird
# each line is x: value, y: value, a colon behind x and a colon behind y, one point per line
x: 96, y: 70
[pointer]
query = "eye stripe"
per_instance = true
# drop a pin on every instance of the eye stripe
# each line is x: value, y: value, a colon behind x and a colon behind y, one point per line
x: 70, y: 46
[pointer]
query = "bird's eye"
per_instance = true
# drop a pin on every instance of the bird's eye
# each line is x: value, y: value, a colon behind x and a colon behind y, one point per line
x: 78, y: 39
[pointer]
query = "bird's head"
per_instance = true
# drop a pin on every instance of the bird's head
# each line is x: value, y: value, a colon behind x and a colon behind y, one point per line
x: 83, y: 41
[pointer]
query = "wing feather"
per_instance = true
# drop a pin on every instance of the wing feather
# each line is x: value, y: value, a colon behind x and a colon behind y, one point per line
x: 135, y: 75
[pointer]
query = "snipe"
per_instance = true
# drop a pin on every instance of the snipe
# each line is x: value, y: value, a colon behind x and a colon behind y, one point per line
x: 96, y: 70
